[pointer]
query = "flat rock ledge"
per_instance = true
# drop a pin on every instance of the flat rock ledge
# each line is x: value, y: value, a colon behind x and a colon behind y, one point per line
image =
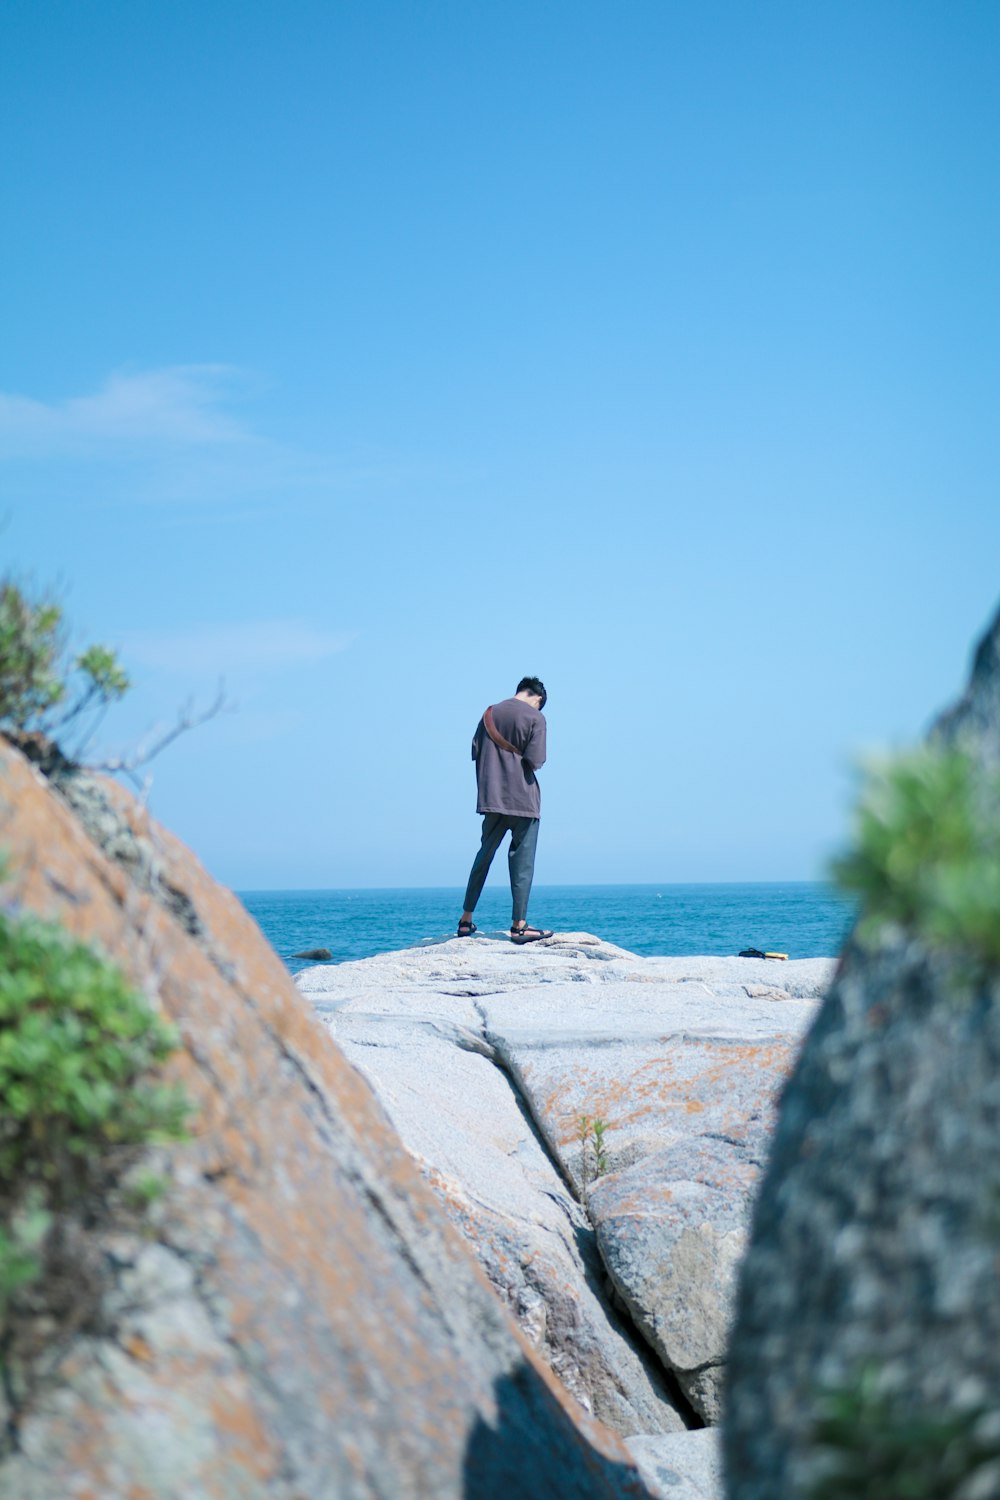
x: 617, y: 1256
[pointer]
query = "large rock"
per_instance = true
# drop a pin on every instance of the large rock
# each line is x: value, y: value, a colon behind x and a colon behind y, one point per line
x: 302, y: 1322
x: 672, y: 1231
x: 679, y: 1058
x: 871, y: 1279
x: 477, y: 1148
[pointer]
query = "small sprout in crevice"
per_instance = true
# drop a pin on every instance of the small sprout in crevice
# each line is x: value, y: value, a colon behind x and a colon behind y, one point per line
x: 600, y: 1150
x: 583, y: 1134
x: 591, y: 1131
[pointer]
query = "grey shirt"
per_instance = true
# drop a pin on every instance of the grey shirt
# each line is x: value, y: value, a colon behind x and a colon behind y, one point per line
x: 507, y: 782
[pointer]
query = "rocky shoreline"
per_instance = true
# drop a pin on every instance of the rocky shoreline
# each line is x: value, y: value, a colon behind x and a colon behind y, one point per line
x: 464, y: 1221
x: 616, y: 1254
x: 457, y: 1221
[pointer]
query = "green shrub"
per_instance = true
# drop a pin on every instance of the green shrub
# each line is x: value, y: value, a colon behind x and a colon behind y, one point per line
x: 877, y: 1445
x: 31, y: 648
x: 927, y: 853
x: 102, y: 672
x: 42, y: 686
x: 78, y: 1099
x: 21, y: 1243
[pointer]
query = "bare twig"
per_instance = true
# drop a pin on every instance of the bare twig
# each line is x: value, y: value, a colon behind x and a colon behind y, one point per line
x: 187, y: 719
x: 88, y: 736
x: 60, y: 721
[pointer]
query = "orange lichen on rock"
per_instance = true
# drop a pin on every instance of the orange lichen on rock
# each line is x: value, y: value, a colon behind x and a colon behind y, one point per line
x: 689, y: 1077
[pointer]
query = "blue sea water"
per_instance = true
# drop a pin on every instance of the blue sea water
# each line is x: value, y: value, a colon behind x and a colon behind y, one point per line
x: 802, y: 919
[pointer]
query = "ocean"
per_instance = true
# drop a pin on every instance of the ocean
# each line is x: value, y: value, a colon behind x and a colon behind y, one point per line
x: 803, y: 919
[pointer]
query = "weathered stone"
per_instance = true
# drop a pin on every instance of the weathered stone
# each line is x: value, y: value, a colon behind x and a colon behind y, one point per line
x: 685, y: 1466
x: 463, y: 1123
x: 304, y: 1321
x: 672, y: 1055
x: 672, y: 1230
x: 764, y: 992
x: 973, y: 724
x: 872, y: 1268
x: 318, y: 955
x: 683, y: 1079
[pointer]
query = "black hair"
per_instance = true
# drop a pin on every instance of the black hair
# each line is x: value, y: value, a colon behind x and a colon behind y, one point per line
x: 535, y: 686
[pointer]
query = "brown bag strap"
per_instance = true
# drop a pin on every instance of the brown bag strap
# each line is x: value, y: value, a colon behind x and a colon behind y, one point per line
x: 496, y: 736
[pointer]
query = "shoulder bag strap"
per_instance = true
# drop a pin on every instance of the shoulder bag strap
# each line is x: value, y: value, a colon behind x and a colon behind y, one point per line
x: 496, y: 736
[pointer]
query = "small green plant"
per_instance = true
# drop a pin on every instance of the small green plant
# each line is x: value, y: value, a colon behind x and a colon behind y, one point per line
x: 583, y: 1135
x: 76, y: 1044
x: 43, y: 687
x: 926, y: 853
x: 21, y: 1243
x: 590, y: 1134
x: 599, y: 1128
x: 31, y: 645
x: 78, y: 1097
x: 878, y: 1445
x: 145, y: 1189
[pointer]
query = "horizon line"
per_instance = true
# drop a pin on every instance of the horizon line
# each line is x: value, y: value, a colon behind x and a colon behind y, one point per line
x: 551, y: 885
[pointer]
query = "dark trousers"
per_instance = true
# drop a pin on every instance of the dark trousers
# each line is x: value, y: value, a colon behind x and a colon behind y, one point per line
x: 520, y: 860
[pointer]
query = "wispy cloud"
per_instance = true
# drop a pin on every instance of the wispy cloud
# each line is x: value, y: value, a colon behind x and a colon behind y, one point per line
x: 258, y: 645
x: 179, y: 436
x: 181, y: 405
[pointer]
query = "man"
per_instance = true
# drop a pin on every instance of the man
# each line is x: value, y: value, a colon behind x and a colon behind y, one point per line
x: 508, y: 748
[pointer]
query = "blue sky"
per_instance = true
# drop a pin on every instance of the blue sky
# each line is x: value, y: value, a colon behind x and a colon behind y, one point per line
x: 370, y: 355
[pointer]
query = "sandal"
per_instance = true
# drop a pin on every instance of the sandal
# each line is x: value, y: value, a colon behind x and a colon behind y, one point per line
x: 529, y: 934
x: 466, y: 929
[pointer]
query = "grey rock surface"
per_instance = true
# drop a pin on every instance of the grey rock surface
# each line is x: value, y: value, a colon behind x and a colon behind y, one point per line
x: 679, y: 1058
x: 872, y: 1267
x: 479, y: 1151
x: 672, y: 1231
x: 682, y: 1070
x: 973, y: 723
x: 686, y: 1466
